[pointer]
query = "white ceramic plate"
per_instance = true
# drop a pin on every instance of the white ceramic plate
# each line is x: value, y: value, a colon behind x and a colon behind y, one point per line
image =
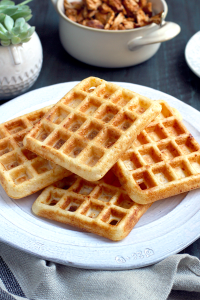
x: 192, y: 53
x: 168, y: 226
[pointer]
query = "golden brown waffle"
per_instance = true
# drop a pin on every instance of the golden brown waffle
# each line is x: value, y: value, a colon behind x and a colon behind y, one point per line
x: 91, y: 126
x: 101, y: 207
x: 163, y: 161
x: 22, y: 172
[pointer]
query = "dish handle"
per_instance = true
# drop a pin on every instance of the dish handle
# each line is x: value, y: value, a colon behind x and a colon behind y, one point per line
x: 167, y: 32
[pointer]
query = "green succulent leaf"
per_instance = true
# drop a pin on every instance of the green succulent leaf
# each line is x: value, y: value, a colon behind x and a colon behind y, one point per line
x: 23, y: 35
x: 8, y: 35
x: 2, y: 17
x: 15, y: 40
x: 8, y: 22
x: 28, y: 18
x: 5, y: 43
x: 25, y: 40
x: 21, y: 14
x: 25, y: 27
x: 9, y: 10
x: 20, y: 22
x: 31, y: 31
x: 2, y: 28
x: 24, y: 7
x: 12, y: 3
x: 16, y: 30
x: 2, y: 36
x: 7, y: 2
x: 26, y: 34
x: 2, y: 7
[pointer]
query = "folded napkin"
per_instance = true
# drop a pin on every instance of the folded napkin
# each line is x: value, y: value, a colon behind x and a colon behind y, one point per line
x: 23, y: 276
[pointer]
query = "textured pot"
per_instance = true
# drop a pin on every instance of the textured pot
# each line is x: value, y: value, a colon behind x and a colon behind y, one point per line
x: 20, y: 66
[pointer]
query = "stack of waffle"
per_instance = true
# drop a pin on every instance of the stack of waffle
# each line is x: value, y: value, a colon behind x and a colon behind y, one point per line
x: 103, y: 154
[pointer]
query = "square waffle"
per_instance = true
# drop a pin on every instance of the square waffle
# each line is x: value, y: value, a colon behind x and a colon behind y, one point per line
x: 101, y: 207
x: 91, y: 126
x: 22, y: 172
x: 163, y: 161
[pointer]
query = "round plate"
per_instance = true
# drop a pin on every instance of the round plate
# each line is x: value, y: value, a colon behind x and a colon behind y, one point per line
x: 167, y: 227
x: 192, y: 53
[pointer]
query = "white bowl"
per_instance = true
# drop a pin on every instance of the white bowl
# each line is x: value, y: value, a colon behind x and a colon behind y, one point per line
x: 114, y: 48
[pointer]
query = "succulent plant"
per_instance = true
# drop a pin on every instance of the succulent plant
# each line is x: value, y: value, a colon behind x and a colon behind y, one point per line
x: 14, y: 28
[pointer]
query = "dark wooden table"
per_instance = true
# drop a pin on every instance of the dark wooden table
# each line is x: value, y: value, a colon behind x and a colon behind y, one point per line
x: 167, y: 71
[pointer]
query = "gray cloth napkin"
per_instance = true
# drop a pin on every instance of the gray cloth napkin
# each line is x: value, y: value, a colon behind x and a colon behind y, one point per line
x: 23, y: 276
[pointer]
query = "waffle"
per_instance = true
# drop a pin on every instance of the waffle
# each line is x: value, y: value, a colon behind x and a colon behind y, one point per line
x: 163, y: 161
x: 101, y: 207
x: 91, y: 126
x: 22, y: 172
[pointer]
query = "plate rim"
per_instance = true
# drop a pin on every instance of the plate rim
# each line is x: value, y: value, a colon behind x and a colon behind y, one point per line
x: 122, y: 262
x: 189, y: 63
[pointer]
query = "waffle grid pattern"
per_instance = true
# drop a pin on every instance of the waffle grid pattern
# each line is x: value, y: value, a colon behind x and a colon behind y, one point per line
x: 22, y: 172
x: 91, y: 126
x: 163, y: 161
x: 101, y: 207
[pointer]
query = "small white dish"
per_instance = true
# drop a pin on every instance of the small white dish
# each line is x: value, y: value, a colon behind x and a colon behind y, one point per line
x: 166, y: 228
x: 192, y: 53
